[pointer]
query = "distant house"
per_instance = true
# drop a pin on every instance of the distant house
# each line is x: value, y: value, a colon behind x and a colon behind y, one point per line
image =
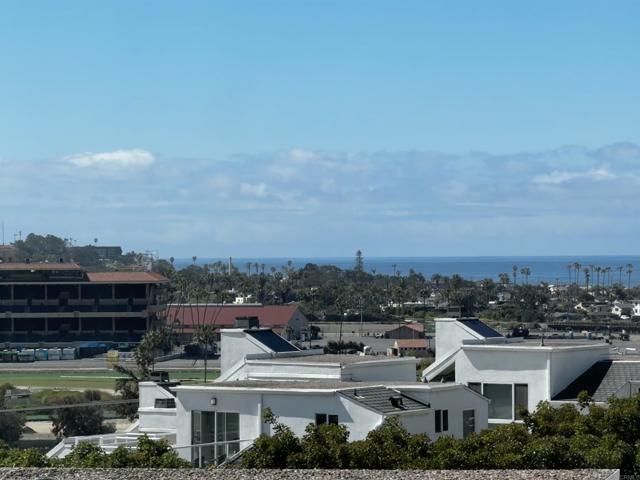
x: 412, y: 348
x: 406, y: 331
x: 9, y: 253
x: 108, y: 252
x: 621, y: 308
x: 594, y: 308
x: 286, y: 320
x: 635, y: 308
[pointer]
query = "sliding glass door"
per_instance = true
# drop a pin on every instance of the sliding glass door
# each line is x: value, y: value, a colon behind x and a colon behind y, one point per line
x: 221, y: 429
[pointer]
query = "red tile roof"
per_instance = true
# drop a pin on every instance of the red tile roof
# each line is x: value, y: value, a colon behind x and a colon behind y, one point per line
x: 418, y: 327
x: 40, y: 266
x: 189, y: 316
x: 417, y: 343
x: 126, y: 277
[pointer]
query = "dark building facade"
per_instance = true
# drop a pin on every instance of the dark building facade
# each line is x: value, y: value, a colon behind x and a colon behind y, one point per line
x: 62, y: 302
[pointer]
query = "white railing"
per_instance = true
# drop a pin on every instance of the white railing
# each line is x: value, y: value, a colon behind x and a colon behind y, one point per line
x: 201, y: 455
x: 108, y: 442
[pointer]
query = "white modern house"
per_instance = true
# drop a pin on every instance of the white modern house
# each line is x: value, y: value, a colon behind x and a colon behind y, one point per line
x: 510, y: 372
x: 635, y: 307
x: 263, y: 371
x: 211, y: 423
x: 221, y: 419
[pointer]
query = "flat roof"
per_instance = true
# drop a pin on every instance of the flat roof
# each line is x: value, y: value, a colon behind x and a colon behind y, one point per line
x: 315, y: 384
x: 38, y: 266
x: 126, y: 277
x: 331, y: 358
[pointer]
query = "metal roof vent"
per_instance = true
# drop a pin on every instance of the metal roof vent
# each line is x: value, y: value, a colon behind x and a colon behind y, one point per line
x: 396, y: 401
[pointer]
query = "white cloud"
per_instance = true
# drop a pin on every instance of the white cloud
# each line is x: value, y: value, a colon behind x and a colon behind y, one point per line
x: 558, y: 177
x: 135, y: 158
x: 258, y: 190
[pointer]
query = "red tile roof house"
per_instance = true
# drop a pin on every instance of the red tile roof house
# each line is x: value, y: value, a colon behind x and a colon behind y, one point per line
x: 406, y: 331
x: 412, y: 348
x: 286, y: 320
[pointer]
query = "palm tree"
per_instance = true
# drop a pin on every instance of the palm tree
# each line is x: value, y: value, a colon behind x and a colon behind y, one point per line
x: 570, y: 267
x: 620, y: 268
x: 171, y: 260
x: 629, y: 272
x: 576, y: 267
x: 515, y: 274
x: 394, y: 266
x: 504, y: 278
x: 205, y: 337
x: 587, y: 274
x: 249, y: 265
x: 525, y: 271
x: 194, y: 258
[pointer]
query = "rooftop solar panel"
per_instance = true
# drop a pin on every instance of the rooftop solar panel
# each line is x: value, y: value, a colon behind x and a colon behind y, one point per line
x: 480, y: 328
x: 272, y: 340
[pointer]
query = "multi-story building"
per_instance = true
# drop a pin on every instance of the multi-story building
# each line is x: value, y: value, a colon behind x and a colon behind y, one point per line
x: 63, y: 302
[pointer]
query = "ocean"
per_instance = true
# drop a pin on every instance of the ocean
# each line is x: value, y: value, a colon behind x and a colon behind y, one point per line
x: 547, y: 269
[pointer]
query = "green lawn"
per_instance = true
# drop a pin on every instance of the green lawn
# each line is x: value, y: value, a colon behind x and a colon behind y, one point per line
x: 88, y: 380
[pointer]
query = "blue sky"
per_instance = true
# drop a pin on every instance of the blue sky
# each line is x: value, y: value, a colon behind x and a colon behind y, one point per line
x: 313, y: 128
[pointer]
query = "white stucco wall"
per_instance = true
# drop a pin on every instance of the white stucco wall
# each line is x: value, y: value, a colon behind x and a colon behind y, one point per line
x: 294, y: 409
x: 274, y: 370
x: 297, y: 408
x: 454, y: 398
x: 400, y: 370
x: 391, y: 371
x: 449, y: 336
x: 507, y: 365
x: 567, y: 365
x: 546, y: 370
x: 153, y: 419
x: 235, y: 345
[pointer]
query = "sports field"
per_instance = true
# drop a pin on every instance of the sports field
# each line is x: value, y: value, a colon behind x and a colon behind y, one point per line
x: 87, y: 380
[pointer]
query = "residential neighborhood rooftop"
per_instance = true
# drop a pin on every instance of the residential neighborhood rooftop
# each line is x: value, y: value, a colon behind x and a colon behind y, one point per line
x: 480, y: 327
x: 384, y: 399
x: 602, y: 380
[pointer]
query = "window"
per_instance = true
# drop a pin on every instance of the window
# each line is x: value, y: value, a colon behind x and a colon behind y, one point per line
x: 468, y: 422
x: 165, y: 403
x: 501, y: 405
x: 475, y: 386
x: 442, y: 421
x: 323, y: 419
x: 521, y: 399
x: 221, y: 428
